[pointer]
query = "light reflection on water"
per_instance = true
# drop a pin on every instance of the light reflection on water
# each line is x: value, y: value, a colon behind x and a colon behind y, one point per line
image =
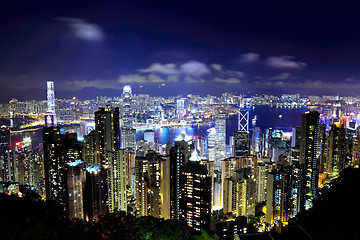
x: 266, y: 117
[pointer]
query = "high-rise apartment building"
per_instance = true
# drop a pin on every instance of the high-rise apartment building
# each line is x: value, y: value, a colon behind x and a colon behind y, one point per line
x: 195, y: 193
x: 179, y: 156
x: 58, y: 150
x: 109, y: 154
x: 309, y: 158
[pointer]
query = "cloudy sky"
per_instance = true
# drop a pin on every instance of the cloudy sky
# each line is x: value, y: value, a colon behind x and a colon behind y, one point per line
x: 169, y: 48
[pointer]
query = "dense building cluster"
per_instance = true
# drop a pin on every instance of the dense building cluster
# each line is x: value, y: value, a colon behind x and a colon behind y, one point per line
x: 197, y: 180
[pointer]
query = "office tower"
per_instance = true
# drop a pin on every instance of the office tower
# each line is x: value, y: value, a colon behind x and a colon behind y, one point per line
x: 107, y: 134
x: 195, y: 193
x: 149, y: 136
x: 58, y: 150
x: 75, y: 183
x: 220, y: 140
x: 309, y: 157
x: 96, y: 191
x: 243, y: 118
x: 238, y: 193
x: 242, y: 143
x: 180, y: 108
x: 148, y: 182
x: 179, y: 156
x: 127, y: 107
x: 128, y: 133
x: 211, y: 142
x: 50, y: 115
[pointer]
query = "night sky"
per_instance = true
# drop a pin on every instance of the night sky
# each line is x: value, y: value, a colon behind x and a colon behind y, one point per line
x: 199, y: 47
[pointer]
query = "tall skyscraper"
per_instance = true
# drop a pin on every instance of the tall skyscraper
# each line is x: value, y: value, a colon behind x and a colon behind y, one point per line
x: 75, y: 182
x: 179, y: 156
x: 58, y: 150
x: 309, y: 158
x: 50, y: 115
x: 195, y: 195
x: 243, y: 119
x: 127, y: 108
x: 107, y: 133
x: 220, y: 140
x: 148, y: 191
x: 211, y: 142
x: 109, y: 154
x: 117, y: 198
x: 96, y: 191
x: 128, y: 133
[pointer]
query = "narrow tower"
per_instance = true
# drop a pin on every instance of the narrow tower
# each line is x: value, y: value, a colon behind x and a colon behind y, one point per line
x: 50, y: 115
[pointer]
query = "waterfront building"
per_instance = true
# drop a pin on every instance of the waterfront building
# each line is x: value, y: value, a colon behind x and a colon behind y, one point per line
x: 128, y: 133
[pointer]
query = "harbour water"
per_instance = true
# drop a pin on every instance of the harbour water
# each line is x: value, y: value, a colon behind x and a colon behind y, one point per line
x: 267, y: 117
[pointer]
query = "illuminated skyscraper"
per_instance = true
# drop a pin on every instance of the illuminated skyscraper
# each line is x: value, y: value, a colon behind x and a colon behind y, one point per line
x: 58, y: 150
x: 148, y: 190
x: 179, y: 156
x: 243, y: 120
x: 109, y: 154
x: 211, y: 138
x: 309, y: 158
x: 195, y: 195
x: 107, y: 133
x: 220, y: 140
x: 127, y: 108
x: 50, y: 115
x: 75, y: 182
x: 128, y: 133
x: 180, y: 108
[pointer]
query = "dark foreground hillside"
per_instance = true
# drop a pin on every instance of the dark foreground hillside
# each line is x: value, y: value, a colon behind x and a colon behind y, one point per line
x: 335, y: 215
x: 31, y: 218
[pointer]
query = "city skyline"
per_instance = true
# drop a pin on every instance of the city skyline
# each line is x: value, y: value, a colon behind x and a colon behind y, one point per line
x: 169, y: 49
x: 189, y: 120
